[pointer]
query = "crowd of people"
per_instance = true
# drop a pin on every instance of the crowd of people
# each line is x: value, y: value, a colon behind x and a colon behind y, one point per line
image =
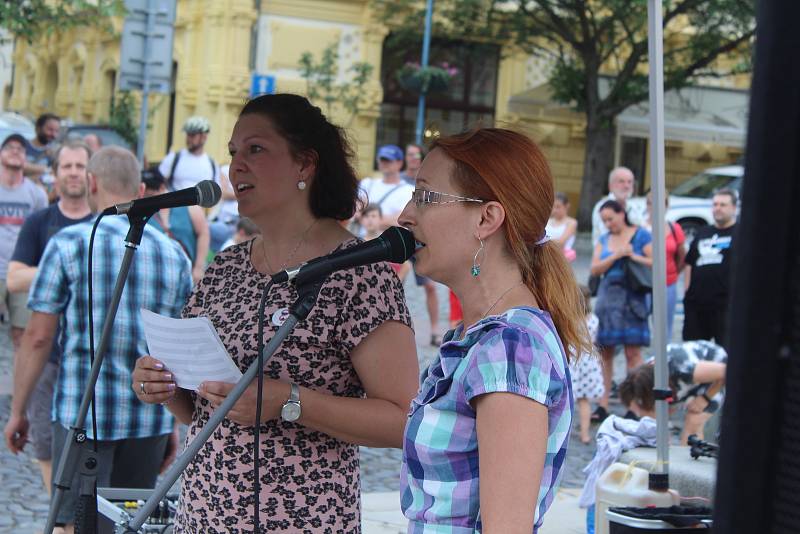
x: 525, y: 341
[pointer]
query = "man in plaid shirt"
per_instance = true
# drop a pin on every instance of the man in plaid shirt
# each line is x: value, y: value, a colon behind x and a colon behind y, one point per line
x: 132, y: 437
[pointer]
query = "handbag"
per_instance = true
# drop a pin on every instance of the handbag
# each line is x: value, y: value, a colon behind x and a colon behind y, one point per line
x: 594, y: 284
x: 639, y: 277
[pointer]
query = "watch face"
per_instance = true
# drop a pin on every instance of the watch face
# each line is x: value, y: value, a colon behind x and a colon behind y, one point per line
x: 290, y: 411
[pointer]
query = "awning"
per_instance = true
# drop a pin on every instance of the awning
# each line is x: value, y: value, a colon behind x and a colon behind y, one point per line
x: 695, y: 114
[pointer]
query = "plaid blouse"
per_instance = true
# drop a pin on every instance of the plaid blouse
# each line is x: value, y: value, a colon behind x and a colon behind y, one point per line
x: 159, y: 280
x: 517, y: 352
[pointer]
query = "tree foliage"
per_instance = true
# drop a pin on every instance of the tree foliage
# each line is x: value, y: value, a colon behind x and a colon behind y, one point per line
x: 323, y: 82
x: 28, y: 19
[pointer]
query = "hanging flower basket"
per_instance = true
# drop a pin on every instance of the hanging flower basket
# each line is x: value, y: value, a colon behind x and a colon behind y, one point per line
x: 431, y: 79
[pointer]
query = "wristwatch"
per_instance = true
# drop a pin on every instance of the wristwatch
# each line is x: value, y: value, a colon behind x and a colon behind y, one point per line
x: 291, y: 408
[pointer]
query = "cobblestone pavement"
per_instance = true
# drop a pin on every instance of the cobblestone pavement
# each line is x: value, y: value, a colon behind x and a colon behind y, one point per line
x: 23, y: 498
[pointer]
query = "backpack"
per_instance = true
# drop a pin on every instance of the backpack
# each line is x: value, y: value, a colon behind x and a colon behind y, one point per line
x: 168, y: 179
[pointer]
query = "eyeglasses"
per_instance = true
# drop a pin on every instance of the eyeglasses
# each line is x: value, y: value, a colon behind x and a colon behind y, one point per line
x: 423, y: 196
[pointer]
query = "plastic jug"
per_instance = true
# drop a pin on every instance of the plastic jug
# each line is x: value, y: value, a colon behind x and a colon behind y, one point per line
x: 625, y: 485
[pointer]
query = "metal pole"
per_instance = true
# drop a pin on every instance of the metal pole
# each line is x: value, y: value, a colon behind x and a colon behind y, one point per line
x: 426, y: 45
x: 656, y: 60
x: 150, y: 29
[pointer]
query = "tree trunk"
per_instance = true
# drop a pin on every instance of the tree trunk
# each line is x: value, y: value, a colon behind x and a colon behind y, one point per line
x: 597, y: 162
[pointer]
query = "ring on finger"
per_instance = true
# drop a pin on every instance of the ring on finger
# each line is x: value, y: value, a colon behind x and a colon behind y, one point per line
x: 141, y: 388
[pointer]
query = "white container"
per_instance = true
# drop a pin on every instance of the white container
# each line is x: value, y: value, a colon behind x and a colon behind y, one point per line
x: 624, y: 485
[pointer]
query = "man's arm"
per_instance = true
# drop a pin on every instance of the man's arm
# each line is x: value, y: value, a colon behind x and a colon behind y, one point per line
x: 20, y: 277
x: 28, y: 364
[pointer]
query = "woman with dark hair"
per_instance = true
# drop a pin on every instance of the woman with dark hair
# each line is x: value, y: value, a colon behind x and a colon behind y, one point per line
x: 497, y: 400
x: 622, y: 311
x: 347, y: 372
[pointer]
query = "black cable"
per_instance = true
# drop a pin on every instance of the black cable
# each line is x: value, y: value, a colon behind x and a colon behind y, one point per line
x: 259, y: 395
x: 91, y: 327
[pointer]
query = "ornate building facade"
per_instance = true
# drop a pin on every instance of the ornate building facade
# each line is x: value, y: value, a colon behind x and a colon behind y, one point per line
x: 220, y: 44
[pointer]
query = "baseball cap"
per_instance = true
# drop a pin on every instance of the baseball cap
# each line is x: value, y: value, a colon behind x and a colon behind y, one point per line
x: 392, y: 152
x: 15, y: 137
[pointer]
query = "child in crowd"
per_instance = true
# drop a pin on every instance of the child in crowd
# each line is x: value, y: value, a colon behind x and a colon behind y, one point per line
x: 371, y: 223
x: 696, y: 376
x: 587, y: 376
x: 245, y: 230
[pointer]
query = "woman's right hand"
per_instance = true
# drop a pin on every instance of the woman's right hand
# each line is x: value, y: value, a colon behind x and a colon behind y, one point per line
x: 625, y: 251
x: 152, y: 383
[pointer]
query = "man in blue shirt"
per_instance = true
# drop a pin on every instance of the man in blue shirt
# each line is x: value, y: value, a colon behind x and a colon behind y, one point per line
x: 131, y: 436
x: 72, y: 208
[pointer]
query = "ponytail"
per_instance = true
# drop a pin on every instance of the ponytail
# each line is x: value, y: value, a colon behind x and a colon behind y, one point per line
x: 548, y: 275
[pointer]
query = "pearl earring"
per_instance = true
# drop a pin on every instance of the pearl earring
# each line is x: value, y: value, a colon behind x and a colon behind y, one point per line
x: 301, y: 185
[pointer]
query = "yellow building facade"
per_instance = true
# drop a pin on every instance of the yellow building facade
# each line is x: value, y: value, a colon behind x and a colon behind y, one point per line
x: 219, y: 44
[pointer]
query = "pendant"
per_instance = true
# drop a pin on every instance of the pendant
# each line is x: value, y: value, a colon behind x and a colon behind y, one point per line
x: 476, y: 270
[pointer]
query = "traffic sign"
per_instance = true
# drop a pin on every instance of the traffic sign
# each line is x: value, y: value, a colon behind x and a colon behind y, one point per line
x: 146, y: 45
x: 262, y: 84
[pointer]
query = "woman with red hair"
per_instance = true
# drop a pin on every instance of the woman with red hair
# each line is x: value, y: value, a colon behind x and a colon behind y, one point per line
x: 498, y: 399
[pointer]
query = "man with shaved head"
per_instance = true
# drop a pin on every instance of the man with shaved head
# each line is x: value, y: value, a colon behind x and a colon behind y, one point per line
x: 132, y: 436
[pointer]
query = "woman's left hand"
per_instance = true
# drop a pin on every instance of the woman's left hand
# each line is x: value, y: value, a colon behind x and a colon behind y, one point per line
x: 243, y: 412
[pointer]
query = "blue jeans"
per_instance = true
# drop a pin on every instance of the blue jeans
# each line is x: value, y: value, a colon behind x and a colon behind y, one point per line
x: 672, y: 302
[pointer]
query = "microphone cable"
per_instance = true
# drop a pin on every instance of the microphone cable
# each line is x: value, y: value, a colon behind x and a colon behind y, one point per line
x: 259, y: 396
x: 91, y: 360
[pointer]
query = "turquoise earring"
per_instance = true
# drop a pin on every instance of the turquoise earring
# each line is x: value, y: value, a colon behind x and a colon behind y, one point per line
x: 476, y: 267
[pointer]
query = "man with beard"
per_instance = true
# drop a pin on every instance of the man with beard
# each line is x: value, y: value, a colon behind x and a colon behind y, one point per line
x: 19, y: 198
x: 192, y: 164
x: 40, y: 148
x: 72, y: 208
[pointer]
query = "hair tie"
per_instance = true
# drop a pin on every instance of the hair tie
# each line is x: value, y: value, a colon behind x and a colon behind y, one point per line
x: 545, y: 238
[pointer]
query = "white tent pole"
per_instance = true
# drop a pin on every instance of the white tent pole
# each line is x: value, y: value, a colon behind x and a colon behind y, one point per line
x: 656, y: 109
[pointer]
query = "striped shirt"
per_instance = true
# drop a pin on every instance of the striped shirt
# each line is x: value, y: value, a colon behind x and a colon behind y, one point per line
x: 517, y: 352
x: 159, y: 280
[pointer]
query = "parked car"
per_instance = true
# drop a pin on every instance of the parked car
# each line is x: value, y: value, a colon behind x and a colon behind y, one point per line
x: 11, y: 122
x: 690, y: 201
x: 107, y: 135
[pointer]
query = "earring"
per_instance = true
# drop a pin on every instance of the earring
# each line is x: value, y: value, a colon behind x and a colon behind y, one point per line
x: 301, y: 185
x: 476, y: 267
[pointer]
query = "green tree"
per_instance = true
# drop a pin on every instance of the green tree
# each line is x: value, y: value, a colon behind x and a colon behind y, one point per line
x: 587, y: 39
x: 322, y: 85
x: 27, y: 19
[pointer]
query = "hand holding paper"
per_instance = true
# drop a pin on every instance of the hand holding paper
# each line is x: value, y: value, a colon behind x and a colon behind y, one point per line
x: 189, y: 348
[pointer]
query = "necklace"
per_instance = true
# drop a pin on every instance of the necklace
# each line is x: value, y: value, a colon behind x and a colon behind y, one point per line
x: 506, y: 292
x: 294, y: 251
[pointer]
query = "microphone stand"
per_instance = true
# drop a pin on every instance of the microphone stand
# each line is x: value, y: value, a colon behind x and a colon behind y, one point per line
x: 307, y: 298
x: 78, y: 451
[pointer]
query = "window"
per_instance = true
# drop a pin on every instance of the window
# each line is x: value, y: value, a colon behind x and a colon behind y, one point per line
x: 468, y: 101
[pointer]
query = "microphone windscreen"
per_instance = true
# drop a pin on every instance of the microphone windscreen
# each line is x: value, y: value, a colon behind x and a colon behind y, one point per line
x: 208, y: 193
x: 401, y: 243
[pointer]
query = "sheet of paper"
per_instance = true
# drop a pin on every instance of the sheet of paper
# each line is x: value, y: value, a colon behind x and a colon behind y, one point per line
x: 189, y: 348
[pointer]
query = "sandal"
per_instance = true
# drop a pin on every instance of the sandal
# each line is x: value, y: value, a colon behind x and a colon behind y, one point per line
x: 436, y: 340
x: 599, y: 415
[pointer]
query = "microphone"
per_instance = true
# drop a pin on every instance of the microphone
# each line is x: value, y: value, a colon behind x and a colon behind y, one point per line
x: 206, y: 194
x: 395, y: 245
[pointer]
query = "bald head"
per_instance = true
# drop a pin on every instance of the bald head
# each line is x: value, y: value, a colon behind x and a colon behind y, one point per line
x: 116, y: 171
x: 620, y: 183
